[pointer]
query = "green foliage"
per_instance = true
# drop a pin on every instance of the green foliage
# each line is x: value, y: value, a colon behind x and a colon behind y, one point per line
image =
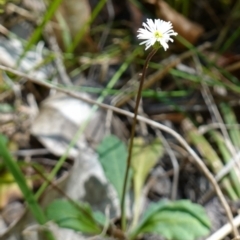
x: 230, y: 118
x: 14, y: 169
x: 113, y: 157
x: 230, y: 40
x: 210, y: 156
x: 144, y: 158
x: 78, y: 216
x: 66, y: 35
x: 77, y: 39
x: 180, y: 220
x: 226, y: 156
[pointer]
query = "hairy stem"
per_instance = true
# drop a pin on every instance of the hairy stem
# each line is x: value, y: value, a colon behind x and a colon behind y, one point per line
x: 123, y: 216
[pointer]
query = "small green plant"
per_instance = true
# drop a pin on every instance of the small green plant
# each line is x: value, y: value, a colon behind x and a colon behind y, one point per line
x: 76, y: 216
x: 179, y: 220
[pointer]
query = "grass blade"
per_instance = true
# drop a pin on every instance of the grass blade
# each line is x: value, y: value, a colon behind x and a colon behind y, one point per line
x: 82, y: 31
x: 209, y: 155
x: 37, y: 33
x: 20, y: 179
x: 230, y: 118
x: 226, y: 156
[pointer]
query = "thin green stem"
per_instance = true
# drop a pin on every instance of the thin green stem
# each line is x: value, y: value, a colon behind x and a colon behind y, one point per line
x: 123, y: 216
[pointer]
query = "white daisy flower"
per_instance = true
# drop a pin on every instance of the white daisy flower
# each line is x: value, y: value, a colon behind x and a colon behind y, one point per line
x: 158, y: 31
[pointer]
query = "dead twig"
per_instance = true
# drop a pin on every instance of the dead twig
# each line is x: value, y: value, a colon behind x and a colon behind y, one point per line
x: 174, y: 164
x: 225, y: 230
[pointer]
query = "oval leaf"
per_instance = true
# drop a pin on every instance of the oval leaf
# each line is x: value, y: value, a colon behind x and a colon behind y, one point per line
x: 68, y: 215
x: 180, y: 220
x: 113, y: 158
x: 144, y: 158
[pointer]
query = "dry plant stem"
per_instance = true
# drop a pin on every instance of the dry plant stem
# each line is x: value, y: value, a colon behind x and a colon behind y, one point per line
x: 174, y: 164
x: 216, y: 116
x: 225, y: 230
x: 236, y: 158
x: 180, y: 139
x: 123, y: 217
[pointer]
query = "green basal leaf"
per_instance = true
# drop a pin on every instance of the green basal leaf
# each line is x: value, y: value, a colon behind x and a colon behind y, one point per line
x: 230, y: 118
x: 113, y: 157
x: 179, y: 220
x: 100, y: 218
x: 79, y: 218
x: 144, y: 158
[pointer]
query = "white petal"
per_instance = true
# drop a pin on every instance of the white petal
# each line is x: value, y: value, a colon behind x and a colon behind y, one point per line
x: 164, y: 44
x: 156, y: 31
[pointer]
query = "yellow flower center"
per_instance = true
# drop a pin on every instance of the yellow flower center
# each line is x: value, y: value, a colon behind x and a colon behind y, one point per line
x: 158, y: 35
